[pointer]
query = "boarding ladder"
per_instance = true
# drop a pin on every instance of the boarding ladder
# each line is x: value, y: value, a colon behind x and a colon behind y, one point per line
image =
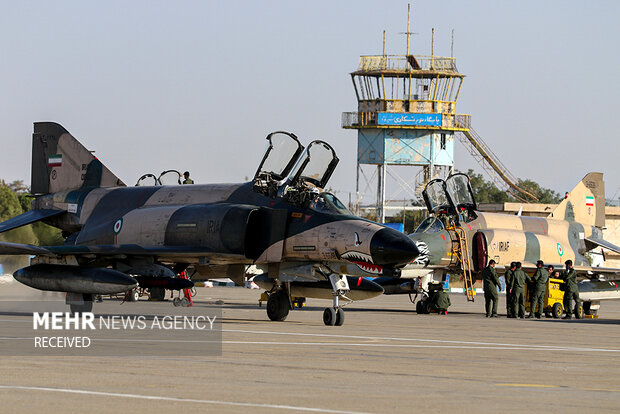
x: 460, y: 250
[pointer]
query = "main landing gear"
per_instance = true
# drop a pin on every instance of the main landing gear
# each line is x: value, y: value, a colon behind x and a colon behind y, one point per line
x: 280, y: 303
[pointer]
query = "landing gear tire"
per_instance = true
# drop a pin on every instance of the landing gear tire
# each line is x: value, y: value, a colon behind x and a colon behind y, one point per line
x: 86, y: 307
x: 157, y: 293
x: 339, y: 317
x: 185, y: 302
x: 134, y: 295
x: 278, y: 306
x: 427, y: 307
x: 419, y: 307
x: 329, y: 316
x: 176, y: 302
x: 557, y: 310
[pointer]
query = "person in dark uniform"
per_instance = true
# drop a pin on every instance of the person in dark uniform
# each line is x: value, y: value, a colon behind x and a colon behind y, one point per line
x: 187, y: 180
x: 570, y: 291
x: 539, y: 287
x: 517, y: 289
x: 490, y: 285
x: 509, y: 299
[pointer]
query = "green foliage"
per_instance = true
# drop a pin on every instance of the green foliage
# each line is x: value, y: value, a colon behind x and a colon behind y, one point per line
x: 487, y: 192
x: 545, y: 195
x: 413, y: 218
x: 11, y: 207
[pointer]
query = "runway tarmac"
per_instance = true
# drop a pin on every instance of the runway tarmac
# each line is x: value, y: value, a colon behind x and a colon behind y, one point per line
x: 385, y: 358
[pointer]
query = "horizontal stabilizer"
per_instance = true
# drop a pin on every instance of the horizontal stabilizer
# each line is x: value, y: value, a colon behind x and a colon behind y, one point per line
x: 28, y: 217
x: 602, y: 243
x: 29, y: 249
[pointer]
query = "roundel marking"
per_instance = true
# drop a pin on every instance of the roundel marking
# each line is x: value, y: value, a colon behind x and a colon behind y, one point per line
x: 560, y: 250
x: 118, y: 225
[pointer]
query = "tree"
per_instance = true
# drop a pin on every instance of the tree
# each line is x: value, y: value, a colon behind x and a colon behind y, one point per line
x: 11, y: 207
x: 413, y: 218
x: 487, y: 192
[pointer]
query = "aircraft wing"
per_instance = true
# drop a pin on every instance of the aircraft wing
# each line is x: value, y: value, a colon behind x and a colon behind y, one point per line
x: 602, y: 243
x: 161, y: 252
x: 28, y: 249
x: 28, y: 217
x: 610, y: 273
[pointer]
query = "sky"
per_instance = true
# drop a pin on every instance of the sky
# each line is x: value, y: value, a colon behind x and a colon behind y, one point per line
x: 198, y: 85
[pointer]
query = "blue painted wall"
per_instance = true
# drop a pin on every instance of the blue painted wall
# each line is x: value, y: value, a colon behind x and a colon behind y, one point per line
x: 405, y: 147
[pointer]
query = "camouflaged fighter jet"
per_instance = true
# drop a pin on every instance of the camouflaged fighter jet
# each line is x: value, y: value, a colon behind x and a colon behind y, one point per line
x: 281, y: 221
x: 458, y: 239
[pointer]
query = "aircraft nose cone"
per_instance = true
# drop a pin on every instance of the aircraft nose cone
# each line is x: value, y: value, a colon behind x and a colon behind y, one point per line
x: 389, y: 247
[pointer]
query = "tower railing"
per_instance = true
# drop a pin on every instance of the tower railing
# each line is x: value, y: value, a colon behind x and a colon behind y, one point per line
x: 406, y: 63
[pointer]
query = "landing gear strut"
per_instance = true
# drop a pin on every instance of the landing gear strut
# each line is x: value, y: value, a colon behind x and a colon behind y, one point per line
x: 334, y: 316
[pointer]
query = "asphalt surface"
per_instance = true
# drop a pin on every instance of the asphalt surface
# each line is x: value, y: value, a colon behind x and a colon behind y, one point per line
x: 385, y: 358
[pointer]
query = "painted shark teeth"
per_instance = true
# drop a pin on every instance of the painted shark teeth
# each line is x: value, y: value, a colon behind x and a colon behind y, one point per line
x: 363, y: 261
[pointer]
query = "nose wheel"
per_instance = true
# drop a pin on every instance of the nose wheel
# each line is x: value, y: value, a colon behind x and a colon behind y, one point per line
x: 334, y: 316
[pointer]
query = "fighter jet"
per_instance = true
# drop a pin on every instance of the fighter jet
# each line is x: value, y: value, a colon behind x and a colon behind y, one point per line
x: 281, y: 221
x: 458, y: 239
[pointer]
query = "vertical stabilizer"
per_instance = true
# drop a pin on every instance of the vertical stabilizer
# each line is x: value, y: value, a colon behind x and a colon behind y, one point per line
x: 60, y: 162
x: 585, y: 203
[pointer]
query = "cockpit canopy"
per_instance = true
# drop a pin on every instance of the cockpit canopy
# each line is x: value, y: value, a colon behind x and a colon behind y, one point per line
x: 283, y: 151
x: 315, y: 166
x: 295, y: 174
x: 168, y: 177
x: 453, y: 197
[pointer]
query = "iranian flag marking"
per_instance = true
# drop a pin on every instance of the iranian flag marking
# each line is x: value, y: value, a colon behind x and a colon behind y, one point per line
x: 589, y: 201
x: 55, y: 160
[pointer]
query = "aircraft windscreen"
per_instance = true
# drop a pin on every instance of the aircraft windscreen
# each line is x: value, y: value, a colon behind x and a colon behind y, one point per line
x: 283, y: 149
x: 329, y: 203
x: 459, y: 190
x: 436, y: 195
x: 315, y: 163
x: 170, y: 177
x: 430, y: 225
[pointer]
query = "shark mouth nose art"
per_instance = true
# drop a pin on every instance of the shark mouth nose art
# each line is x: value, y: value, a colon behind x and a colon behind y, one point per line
x: 363, y: 261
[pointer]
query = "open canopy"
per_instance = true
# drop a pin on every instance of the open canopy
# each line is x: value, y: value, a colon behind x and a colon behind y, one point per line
x: 315, y: 166
x: 284, y: 149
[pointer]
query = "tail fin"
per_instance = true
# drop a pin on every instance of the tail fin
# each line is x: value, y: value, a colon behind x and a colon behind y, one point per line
x: 60, y: 162
x: 585, y: 203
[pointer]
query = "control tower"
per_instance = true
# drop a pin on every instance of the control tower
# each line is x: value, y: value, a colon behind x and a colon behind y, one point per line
x: 405, y: 116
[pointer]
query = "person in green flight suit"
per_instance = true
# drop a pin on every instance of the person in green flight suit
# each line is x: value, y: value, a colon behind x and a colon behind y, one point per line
x: 539, y: 279
x: 509, y: 299
x: 490, y: 285
x: 441, y: 302
x: 187, y: 180
x: 570, y: 291
x: 517, y: 290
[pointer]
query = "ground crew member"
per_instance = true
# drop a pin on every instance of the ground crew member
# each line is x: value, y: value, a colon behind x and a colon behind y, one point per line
x: 517, y: 290
x: 441, y: 302
x: 490, y: 285
x: 187, y: 179
x: 571, y: 291
x: 539, y: 288
x: 509, y: 299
